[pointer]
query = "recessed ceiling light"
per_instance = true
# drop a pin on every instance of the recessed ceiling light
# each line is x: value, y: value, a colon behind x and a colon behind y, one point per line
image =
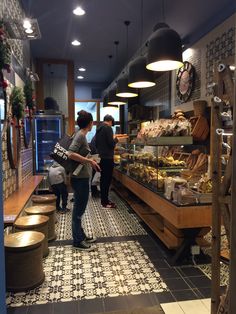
x: 82, y: 69
x: 78, y: 11
x: 76, y: 42
x: 31, y: 36
x: 80, y: 77
x: 29, y: 31
x: 27, y: 24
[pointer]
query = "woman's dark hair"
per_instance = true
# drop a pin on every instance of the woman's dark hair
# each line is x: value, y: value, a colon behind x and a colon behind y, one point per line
x: 51, y: 104
x: 84, y: 118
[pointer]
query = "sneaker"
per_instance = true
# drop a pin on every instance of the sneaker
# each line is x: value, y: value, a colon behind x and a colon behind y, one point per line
x: 108, y: 206
x: 83, y: 246
x: 90, y: 239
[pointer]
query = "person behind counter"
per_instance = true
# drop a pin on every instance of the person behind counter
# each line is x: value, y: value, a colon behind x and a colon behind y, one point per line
x: 79, y: 151
x: 105, y: 144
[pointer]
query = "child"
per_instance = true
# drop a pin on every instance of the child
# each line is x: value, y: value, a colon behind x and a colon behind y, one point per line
x: 57, y: 179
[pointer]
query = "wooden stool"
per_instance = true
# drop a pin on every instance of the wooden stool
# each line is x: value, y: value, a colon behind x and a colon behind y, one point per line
x: 46, y: 210
x: 34, y: 223
x: 49, y: 199
x: 24, y: 260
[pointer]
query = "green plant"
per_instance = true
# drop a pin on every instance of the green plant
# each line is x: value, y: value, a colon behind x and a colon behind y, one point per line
x: 17, y: 101
x: 28, y: 92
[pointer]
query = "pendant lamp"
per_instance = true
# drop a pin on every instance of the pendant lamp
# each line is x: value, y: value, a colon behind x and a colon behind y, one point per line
x: 105, y: 102
x: 164, y: 49
x: 113, y: 99
x: 123, y: 90
x: 139, y: 76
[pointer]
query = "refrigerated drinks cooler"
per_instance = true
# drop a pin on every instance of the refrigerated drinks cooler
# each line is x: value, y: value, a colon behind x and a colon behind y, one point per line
x: 48, y: 128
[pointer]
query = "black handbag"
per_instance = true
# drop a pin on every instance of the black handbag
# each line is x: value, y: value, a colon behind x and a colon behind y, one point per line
x: 60, y: 154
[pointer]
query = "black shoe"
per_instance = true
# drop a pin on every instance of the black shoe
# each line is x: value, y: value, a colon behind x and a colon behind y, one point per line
x: 83, y: 246
x: 65, y: 210
x: 90, y: 239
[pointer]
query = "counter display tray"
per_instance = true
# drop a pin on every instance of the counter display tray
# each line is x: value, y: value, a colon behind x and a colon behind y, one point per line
x: 165, y: 140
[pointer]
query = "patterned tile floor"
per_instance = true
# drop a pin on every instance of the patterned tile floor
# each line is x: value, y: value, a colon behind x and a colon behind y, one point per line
x: 100, y: 222
x: 128, y: 269
x: 113, y: 269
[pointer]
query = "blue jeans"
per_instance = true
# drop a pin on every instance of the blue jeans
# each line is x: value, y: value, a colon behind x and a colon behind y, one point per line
x: 81, y: 195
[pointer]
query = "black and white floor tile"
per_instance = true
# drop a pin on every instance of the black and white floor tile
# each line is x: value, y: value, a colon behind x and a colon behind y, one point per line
x: 111, y: 270
x: 102, y: 222
x: 224, y: 272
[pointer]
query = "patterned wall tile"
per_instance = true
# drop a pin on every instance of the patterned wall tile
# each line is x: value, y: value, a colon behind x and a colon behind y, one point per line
x: 219, y: 48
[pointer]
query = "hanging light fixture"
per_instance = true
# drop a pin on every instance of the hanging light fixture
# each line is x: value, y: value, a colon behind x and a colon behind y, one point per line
x: 139, y: 76
x: 164, y: 49
x: 123, y: 90
x: 113, y: 99
x: 105, y: 102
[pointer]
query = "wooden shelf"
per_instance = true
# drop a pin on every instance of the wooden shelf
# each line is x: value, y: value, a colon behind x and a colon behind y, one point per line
x: 16, y: 202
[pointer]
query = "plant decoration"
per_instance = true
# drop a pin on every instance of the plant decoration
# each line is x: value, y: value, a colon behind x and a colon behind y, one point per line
x: 17, y: 101
x: 5, y: 51
x: 29, y: 98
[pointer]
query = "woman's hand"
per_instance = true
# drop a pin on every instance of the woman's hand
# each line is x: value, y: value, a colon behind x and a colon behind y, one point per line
x: 95, y: 165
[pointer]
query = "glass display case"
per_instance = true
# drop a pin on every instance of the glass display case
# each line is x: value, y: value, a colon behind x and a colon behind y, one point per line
x: 48, y: 128
x: 176, y: 172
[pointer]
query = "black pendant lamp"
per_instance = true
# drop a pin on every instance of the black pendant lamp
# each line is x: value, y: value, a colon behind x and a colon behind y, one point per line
x: 123, y: 90
x: 113, y: 99
x: 105, y: 102
x: 139, y: 76
x: 164, y: 49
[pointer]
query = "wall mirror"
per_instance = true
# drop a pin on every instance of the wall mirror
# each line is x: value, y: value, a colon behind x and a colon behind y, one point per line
x: 27, y: 130
x: 13, y: 145
x: 3, y: 105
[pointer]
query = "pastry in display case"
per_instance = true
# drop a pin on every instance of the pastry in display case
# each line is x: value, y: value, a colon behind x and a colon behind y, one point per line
x: 174, y: 172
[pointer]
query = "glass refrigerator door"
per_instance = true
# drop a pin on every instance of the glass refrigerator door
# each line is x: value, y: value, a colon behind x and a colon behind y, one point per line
x: 47, y: 132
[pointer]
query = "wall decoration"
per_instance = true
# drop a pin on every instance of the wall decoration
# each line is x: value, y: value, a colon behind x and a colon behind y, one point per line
x: 3, y: 101
x: 27, y: 131
x: 17, y: 101
x: 220, y: 48
x: 13, y: 145
x: 185, y: 81
x: 5, y: 51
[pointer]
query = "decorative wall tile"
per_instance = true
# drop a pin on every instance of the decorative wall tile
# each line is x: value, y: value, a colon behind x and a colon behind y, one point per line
x: 219, y: 49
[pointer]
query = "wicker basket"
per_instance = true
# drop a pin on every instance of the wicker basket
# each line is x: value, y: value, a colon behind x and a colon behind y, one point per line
x: 199, y: 107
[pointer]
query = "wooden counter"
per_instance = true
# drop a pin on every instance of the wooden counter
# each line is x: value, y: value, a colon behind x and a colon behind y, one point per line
x: 16, y: 202
x: 171, y: 223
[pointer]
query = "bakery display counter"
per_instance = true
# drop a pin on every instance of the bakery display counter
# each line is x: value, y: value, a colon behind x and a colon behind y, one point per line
x: 178, y: 227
